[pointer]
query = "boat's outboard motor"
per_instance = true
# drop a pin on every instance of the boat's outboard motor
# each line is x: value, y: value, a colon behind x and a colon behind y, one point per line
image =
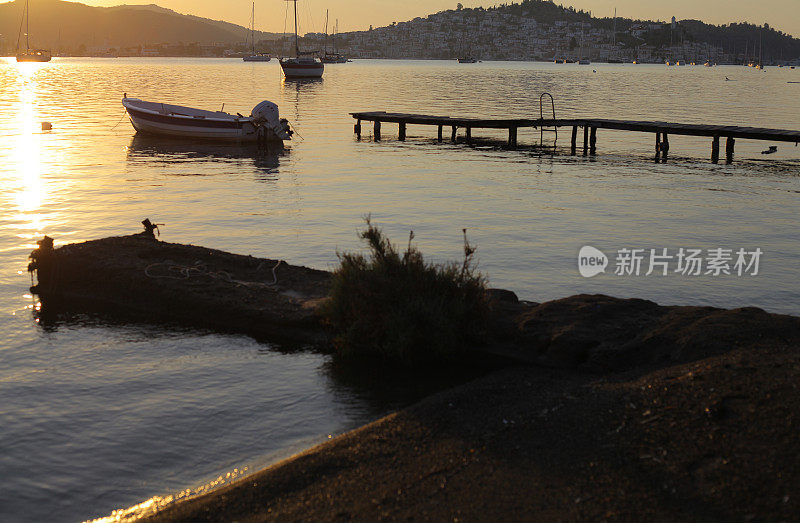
x: 266, y: 114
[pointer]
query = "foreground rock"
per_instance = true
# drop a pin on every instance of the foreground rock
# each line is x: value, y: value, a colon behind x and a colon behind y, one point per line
x: 195, y: 285
x: 602, y: 334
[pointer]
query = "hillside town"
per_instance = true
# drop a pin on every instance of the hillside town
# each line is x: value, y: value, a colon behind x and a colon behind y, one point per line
x: 497, y: 34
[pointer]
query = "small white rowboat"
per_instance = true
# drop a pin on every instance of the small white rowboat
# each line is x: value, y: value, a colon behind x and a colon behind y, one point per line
x: 263, y: 125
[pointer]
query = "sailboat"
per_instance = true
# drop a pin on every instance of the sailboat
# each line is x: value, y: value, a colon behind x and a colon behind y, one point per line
x: 255, y: 57
x: 582, y: 60
x: 332, y: 57
x: 29, y: 54
x: 303, y: 64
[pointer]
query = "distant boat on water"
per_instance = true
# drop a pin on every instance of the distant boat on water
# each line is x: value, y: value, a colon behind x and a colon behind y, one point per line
x: 255, y: 57
x: 303, y: 64
x: 29, y: 54
x: 332, y: 57
x: 467, y: 60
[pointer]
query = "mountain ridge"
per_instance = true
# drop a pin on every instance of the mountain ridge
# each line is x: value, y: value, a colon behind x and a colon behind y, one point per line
x: 69, y: 25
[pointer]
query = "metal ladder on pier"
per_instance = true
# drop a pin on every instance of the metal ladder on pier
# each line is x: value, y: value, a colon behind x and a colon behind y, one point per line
x: 542, y: 130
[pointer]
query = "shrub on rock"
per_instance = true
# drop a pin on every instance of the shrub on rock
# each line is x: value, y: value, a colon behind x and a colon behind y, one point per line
x: 399, y: 307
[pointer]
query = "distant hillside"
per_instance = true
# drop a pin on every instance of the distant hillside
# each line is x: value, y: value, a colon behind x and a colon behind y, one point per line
x: 72, y: 24
x: 544, y: 30
x: 730, y: 38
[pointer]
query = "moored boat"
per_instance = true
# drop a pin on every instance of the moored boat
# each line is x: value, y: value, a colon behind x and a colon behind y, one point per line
x: 263, y: 125
x: 30, y: 54
x: 255, y: 57
x: 334, y: 56
x: 303, y: 64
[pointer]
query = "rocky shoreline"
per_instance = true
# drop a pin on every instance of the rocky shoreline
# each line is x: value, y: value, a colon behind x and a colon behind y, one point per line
x: 610, y: 408
x: 714, y: 439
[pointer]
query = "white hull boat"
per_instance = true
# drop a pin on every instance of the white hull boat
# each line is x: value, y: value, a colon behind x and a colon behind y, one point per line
x: 263, y: 124
x: 303, y: 64
x: 303, y: 67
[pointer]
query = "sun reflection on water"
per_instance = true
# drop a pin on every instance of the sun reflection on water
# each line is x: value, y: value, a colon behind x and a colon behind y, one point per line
x: 153, y: 505
x: 27, y: 157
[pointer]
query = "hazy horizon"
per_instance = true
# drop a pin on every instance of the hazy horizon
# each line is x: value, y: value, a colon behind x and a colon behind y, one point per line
x: 353, y: 16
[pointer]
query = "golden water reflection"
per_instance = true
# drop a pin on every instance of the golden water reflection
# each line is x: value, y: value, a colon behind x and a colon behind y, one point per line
x: 27, y: 157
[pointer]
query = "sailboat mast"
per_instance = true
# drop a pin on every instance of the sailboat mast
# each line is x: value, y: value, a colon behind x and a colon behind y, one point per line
x: 296, y: 40
x: 27, y: 24
x: 615, y: 27
x: 253, y: 28
x: 326, y: 30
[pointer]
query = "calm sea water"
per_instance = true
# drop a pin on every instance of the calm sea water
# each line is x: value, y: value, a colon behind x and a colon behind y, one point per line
x: 96, y: 416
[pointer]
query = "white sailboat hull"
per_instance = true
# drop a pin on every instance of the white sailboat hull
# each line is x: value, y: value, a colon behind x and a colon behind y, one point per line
x: 302, y: 68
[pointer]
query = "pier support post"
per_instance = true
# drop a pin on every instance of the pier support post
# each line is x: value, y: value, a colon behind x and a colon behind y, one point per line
x: 585, y: 140
x: 573, y: 149
x: 357, y: 129
x: 440, y: 134
x: 377, y: 130
x: 658, y: 147
x: 664, y: 147
x: 402, y: 132
x: 469, y: 134
x: 729, y: 145
x: 593, y: 141
x: 453, y: 134
x: 512, y: 137
x: 715, y: 150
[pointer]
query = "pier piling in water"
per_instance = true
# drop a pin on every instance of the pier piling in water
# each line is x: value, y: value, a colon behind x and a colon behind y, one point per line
x: 590, y: 126
x: 574, y: 143
x: 585, y: 140
x: 512, y: 137
x: 729, y: 145
x: 715, y: 150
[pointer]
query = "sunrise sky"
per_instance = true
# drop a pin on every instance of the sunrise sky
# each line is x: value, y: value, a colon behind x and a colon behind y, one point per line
x: 360, y: 14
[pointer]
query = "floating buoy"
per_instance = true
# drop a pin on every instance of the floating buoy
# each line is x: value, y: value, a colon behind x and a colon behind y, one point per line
x: 47, y: 126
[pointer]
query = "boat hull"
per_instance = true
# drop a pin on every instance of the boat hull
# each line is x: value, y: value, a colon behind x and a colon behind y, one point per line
x: 240, y: 130
x: 293, y: 69
x: 256, y: 59
x: 38, y: 56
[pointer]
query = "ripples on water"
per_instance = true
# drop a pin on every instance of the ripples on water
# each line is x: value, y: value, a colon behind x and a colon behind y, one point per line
x: 97, y: 416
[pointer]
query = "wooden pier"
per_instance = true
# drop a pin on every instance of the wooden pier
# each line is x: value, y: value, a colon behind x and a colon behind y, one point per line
x: 662, y: 130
